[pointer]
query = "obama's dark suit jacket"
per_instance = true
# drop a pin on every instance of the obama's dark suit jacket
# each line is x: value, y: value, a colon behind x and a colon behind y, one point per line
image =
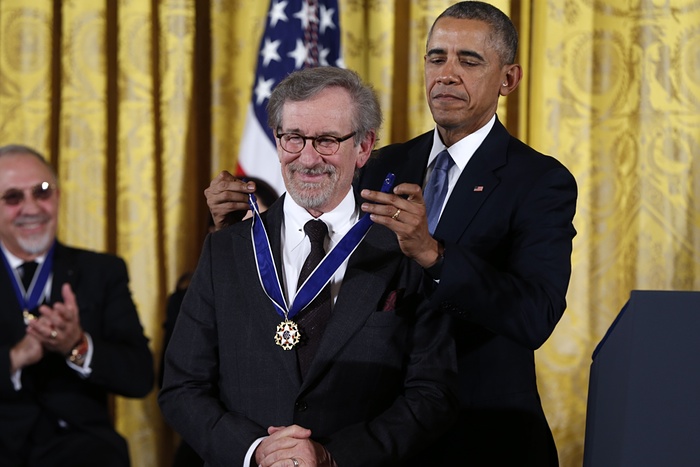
x: 507, y: 230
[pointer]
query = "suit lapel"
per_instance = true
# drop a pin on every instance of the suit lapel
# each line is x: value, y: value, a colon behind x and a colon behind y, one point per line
x: 416, y: 163
x: 475, y: 185
x: 63, y: 272
x: 11, y: 318
x: 272, y: 219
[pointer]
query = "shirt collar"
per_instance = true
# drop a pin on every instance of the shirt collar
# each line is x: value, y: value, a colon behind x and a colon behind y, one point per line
x: 15, y: 261
x: 464, y: 149
x: 339, y: 220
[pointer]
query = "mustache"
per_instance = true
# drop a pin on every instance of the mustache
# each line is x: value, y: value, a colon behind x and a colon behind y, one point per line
x: 31, y: 219
x: 318, y: 169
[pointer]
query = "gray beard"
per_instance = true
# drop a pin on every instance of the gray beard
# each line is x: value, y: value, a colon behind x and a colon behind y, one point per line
x: 311, y: 195
x: 37, y: 244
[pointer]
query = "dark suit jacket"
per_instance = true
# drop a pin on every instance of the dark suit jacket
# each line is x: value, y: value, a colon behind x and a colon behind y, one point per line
x: 507, y: 230
x: 51, y: 391
x: 379, y: 386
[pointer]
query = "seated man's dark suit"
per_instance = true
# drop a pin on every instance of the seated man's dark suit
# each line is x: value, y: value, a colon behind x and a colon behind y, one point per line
x: 379, y: 387
x: 507, y: 230
x: 59, y: 418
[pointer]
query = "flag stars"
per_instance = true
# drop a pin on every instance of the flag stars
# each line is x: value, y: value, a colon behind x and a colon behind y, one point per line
x: 323, y: 56
x: 263, y: 89
x: 326, y: 19
x: 299, y: 54
x: 306, y: 15
x: 277, y: 13
x: 269, y: 51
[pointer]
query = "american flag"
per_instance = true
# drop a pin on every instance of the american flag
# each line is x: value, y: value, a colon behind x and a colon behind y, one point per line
x: 298, y: 34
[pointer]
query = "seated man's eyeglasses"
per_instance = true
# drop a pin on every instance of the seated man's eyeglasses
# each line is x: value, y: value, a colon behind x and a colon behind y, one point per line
x: 40, y: 192
x: 326, y: 145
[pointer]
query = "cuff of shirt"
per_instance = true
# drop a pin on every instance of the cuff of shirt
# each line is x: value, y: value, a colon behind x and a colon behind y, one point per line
x: 249, y: 460
x: 85, y: 370
x: 16, y: 378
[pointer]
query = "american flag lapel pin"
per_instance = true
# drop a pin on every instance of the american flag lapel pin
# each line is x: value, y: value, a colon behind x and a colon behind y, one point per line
x: 479, y: 188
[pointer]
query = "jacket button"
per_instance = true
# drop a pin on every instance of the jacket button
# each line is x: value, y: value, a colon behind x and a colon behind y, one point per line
x: 300, y: 406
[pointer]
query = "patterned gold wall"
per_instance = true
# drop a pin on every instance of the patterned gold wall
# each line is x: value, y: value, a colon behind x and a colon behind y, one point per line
x: 614, y: 94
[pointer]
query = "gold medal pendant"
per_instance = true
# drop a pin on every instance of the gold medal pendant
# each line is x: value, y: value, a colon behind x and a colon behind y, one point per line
x: 28, y: 317
x: 287, y: 334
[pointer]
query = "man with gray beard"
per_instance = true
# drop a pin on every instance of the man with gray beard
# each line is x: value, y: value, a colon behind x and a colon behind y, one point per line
x: 69, y: 331
x: 356, y: 370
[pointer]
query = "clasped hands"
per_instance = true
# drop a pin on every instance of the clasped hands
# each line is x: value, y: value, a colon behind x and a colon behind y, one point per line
x: 56, y: 330
x: 291, y: 446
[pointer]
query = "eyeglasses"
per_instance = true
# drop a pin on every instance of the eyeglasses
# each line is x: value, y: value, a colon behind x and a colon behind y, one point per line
x: 326, y: 145
x: 40, y: 192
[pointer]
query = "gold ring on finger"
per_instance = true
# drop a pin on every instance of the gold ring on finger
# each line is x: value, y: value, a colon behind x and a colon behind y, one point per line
x: 396, y: 214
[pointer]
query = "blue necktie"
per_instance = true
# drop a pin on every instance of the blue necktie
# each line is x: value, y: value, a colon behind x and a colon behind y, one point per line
x: 436, y: 189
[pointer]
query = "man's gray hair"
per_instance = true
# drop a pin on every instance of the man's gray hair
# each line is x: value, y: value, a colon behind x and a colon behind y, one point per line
x: 12, y: 149
x: 306, y: 83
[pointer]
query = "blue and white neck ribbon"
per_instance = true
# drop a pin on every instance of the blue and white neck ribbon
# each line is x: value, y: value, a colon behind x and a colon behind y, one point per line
x: 317, y: 280
x: 31, y: 298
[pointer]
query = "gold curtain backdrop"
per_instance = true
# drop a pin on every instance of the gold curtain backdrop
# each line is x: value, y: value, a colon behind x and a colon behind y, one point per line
x: 139, y: 103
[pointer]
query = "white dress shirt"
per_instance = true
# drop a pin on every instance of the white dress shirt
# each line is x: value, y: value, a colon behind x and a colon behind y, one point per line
x: 296, y: 247
x: 461, y: 152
